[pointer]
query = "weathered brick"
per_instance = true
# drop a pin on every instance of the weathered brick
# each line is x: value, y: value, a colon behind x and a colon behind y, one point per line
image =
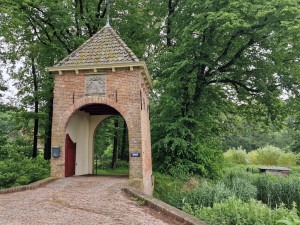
x: 132, y: 103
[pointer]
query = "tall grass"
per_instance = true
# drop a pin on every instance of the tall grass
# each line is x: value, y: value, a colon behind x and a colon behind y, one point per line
x: 274, y: 191
x: 268, y: 155
x: 234, y: 211
x: 237, y: 156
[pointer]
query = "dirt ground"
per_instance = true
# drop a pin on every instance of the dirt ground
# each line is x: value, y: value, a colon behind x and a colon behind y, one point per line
x: 77, y: 200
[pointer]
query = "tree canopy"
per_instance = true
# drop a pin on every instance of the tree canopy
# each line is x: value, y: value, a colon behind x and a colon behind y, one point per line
x: 212, y: 63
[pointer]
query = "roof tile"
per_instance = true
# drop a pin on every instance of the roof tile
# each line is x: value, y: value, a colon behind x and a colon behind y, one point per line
x: 105, y: 47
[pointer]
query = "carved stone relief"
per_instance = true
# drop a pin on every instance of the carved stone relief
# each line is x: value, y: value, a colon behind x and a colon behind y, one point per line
x: 95, y: 85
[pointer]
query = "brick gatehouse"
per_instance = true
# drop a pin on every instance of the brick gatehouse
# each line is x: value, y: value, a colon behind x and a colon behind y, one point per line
x: 103, y: 77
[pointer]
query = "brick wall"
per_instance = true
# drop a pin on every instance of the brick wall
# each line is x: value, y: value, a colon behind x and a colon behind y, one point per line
x: 127, y: 93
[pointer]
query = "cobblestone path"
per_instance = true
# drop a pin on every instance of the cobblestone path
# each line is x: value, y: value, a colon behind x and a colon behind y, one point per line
x: 77, y: 200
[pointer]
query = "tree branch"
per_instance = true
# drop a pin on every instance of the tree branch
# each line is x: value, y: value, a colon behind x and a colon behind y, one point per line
x: 237, y: 55
x: 99, y: 15
x: 49, y: 23
x: 235, y: 84
x: 35, y: 31
x: 228, y: 45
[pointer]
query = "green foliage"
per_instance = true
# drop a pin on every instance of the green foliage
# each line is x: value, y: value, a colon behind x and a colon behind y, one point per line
x: 290, y: 220
x: 239, y: 197
x: 104, y: 139
x: 178, y: 155
x: 235, y: 211
x: 222, y: 58
x: 207, y: 194
x: 252, y: 156
x: 168, y: 189
x: 268, y: 155
x: 108, y: 152
x: 287, y: 159
x: 112, y: 172
x: 106, y: 164
x: 21, y: 170
x: 298, y: 159
x: 251, y: 135
x: 237, y: 156
x: 274, y: 191
x: 241, y: 187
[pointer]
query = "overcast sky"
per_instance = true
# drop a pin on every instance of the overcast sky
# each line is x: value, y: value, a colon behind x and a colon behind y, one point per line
x: 11, y: 92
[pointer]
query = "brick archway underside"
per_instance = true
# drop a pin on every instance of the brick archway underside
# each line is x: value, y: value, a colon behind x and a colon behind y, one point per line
x: 99, y: 109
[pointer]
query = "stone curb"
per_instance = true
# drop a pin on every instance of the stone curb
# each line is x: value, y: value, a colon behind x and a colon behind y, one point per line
x: 29, y: 186
x: 164, y: 208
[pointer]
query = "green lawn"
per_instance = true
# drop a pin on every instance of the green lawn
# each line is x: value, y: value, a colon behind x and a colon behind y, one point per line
x: 104, y: 168
x: 117, y: 171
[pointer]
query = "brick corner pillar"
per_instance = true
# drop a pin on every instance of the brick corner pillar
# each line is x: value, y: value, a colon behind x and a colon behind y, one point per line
x: 140, y: 145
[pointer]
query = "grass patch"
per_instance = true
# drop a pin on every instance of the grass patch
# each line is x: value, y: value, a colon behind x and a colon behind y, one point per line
x: 117, y: 171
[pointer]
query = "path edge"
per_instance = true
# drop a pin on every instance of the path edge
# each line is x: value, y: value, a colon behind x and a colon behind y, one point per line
x: 164, y: 208
x: 31, y: 186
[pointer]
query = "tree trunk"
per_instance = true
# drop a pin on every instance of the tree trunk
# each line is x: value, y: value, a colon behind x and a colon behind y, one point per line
x: 171, y: 11
x: 124, y: 141
x: 48, y: 129
x: 36, y: 110
x: 115, y: 149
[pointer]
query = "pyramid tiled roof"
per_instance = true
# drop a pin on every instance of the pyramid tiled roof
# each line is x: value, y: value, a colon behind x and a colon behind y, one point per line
x: 105, y: 47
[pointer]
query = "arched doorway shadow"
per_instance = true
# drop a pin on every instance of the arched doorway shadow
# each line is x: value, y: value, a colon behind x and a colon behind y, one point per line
x: 111, y: 147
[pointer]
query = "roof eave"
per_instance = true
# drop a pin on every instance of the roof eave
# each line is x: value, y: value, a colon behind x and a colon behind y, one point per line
x: 112, y: 66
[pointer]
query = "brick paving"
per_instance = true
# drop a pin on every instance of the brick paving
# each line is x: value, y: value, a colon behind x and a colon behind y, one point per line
x: 77, y: 200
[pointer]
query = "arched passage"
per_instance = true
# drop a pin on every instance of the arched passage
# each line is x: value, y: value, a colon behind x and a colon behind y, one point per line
x: 80, y: 131
x: 111, y: 149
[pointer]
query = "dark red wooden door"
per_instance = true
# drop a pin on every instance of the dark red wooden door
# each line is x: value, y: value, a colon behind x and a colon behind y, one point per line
x: 70, y: 159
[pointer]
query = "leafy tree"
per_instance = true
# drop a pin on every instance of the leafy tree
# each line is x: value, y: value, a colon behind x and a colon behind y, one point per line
x: 40, y: 33
x: 221, y: 57
x: 111, y: 137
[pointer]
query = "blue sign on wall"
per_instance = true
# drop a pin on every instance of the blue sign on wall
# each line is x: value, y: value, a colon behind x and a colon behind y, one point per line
x: 55, y: 151
x: 135, y: 155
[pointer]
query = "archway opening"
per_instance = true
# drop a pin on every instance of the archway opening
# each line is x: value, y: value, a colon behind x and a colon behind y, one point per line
x: 111, y: 147
x: 82, y: 155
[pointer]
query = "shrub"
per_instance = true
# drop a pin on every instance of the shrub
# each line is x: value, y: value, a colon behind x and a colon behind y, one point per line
x: 237, y: 156
x: 268, y: 155
x: 168, y: 189
x: 235, y: 184
x: 234, y: 211
x: 20, y: 171
x: 298, y: 159
x: 207, y: 194
x: 108, y: 152
x: 8, y: 173
x: 287, y: 159
x: 252, y: 156
x: 181, y: 152
x: 209, y: 161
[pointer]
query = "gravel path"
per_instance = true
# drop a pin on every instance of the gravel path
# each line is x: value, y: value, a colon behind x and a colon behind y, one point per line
x: 77, y: 200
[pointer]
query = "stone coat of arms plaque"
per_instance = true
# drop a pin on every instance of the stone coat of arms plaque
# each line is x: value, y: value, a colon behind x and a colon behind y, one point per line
x: 95, y: 85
